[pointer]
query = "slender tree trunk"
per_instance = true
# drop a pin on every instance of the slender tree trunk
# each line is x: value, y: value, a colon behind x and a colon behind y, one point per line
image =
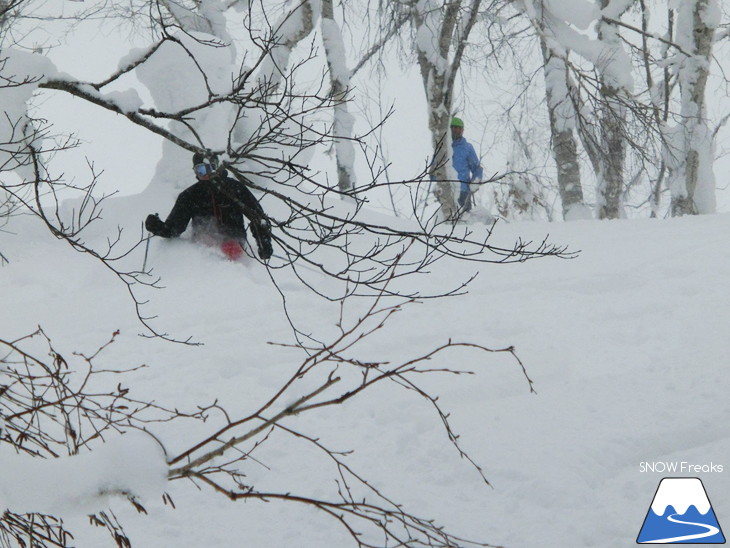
x: 659, y: 94
x: 565, y: 150
x: 561, y: 99
x: 613, y: 142
x: 693, y: 190
x: 432, y: 52
x: 611, y: 176
x: 340, y: 81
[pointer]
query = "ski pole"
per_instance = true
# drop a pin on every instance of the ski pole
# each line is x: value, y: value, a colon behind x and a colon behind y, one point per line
x: 146, y: 251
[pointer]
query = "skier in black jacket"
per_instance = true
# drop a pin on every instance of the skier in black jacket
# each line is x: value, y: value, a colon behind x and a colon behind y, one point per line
x: 216, y: 204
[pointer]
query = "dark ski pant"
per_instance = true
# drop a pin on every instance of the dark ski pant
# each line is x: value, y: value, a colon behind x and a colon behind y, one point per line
x: 465, y: 197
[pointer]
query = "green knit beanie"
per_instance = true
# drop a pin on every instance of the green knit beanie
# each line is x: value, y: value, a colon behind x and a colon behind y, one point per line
x: 457, y: 122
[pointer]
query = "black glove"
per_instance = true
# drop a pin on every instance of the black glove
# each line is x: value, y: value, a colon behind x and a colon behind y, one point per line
x: 155, y: 225
x: 261, y: 229
x: 265, y: 249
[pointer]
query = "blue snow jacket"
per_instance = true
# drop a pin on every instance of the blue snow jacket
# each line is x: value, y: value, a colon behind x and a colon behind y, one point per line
x: 465, y: 161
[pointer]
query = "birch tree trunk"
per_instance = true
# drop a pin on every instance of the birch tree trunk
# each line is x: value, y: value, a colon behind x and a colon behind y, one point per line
x: 611, y: 175
x: 565, y: 150
x: 340, y: 81
x: 612, y: 123
x: 693, y: 185
x: 659, y: 94
x: 561, y: 99
x: 433, y: 30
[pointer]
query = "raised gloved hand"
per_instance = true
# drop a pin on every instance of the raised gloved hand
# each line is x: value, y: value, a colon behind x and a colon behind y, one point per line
x: 261, y: 229
x: 154, y: 224
x: 265, y: 248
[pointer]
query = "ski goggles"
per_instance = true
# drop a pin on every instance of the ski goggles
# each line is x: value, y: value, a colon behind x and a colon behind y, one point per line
x: 201, y: 170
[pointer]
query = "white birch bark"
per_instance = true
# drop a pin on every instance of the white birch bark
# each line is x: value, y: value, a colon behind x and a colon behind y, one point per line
x: 561, y: 111
x: 561, y: 98
x: 659, y: 96
x: 612, y: 115
x: 340, y: 81
x: 610, y: 184
x: 429, y: 23
x: 692, y: 183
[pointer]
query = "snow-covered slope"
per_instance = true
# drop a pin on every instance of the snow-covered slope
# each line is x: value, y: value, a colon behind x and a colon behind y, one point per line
x: 627, y: 345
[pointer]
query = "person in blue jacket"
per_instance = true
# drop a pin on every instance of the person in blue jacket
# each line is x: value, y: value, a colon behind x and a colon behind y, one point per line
x: 465, y: 162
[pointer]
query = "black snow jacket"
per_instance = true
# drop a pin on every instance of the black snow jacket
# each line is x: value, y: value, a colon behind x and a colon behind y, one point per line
x: 221, y: 203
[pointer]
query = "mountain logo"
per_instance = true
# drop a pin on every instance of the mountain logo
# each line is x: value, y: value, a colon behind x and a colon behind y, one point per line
x: 680, y: 513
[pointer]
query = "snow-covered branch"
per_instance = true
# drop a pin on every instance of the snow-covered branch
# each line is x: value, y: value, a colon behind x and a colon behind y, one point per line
x: 53, y: 420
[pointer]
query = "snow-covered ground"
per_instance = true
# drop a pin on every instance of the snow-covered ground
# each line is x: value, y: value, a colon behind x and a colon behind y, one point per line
x: 627, y: 346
